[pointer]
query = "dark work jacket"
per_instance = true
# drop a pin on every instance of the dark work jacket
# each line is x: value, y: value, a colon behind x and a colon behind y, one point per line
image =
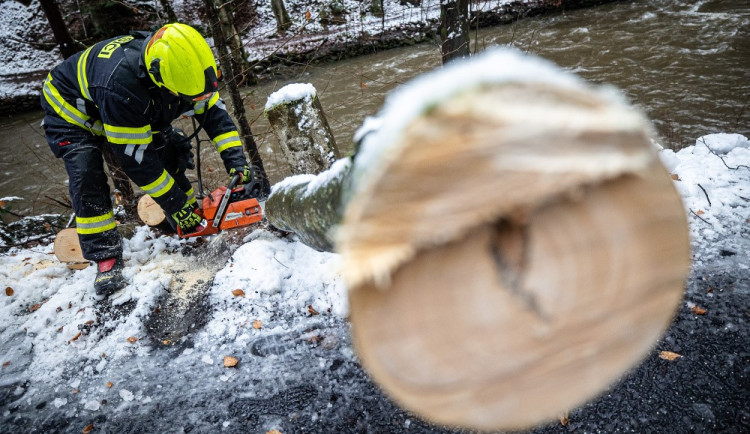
x: 107, y: 91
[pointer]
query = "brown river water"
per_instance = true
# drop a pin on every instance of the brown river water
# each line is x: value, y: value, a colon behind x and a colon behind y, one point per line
x: 685, y: 63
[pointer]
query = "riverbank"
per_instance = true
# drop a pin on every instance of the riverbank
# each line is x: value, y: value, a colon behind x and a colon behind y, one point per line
x: 27, y: 46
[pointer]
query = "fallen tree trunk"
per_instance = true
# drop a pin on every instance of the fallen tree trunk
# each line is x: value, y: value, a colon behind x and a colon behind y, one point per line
x: 511, y: 242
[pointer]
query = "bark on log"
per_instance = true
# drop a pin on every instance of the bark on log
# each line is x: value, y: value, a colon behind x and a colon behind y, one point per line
x: 310, y: 206
x: 298, y: 120
x: 511, y: 243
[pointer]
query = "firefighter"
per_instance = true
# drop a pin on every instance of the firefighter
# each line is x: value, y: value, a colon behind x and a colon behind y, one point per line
x: 124, y: 93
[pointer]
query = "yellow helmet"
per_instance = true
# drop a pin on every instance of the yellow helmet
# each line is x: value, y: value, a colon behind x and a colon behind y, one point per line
x: 178, y: 58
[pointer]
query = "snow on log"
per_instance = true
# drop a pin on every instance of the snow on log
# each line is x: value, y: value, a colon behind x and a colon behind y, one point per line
x: 298, y: 120
x: 511, y: 243
x: 310, y: 205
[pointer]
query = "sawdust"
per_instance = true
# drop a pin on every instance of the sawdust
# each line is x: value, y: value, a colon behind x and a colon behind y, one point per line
x: 189, y: 280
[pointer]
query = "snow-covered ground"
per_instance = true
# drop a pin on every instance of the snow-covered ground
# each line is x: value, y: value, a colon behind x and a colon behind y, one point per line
x: 81, y: 358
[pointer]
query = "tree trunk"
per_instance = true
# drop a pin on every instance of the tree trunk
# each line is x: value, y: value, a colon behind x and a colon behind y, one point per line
x: 454, y: 29
x: 240, y: 65
x: 505, y: 234
x: 283, y: 22
x: 68, y: 46
x: 298, y: 120
x: 237, y: 104
x: 169, y: 10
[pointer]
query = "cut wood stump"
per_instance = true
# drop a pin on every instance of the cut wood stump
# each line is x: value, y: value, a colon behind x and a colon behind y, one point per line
x: 300, y: 125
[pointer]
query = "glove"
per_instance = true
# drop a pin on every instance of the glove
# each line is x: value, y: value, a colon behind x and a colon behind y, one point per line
x: 187, y: 219
x: 246, y: 174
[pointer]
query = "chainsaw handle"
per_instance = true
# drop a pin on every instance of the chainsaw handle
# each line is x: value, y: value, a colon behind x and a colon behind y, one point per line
x: 233, y: 181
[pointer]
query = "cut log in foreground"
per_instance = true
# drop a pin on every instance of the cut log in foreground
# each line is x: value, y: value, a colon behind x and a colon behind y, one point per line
x: 511, y: 243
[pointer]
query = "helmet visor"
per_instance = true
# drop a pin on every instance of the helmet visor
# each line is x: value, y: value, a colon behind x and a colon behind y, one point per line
x: 211, y: 86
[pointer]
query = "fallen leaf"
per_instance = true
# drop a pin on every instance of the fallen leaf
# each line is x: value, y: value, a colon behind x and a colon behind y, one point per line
x: 166, y: 342
x: 312, y: 310
x: 273, y: 431
x: 668, y: 355
x: 36, y: 307
x: 70, y: 305
x: 26, y: 259
x: 109, y: 384
x: 132, y: 339
x: 257, y: 324
x: 230, y: 362
x: 104, y: 355
x: 74, y: 391
x: 363, y: 85
x: 238, y: 293
x: 698, y: 310
x: 308, y: 16
x: 89, y: 322
x: 47, y: 226
x: 710, y: 289
x: 564, y: 419
x: 7, y: 363
x: 60, y: 330
x: 88, y: 428
x: 700, y: 212
x: 58, y: 310
x: 252, y: 107
x: 2, y: 204
x: 676, y: 177
x: 75, y: 338
x: 9, y: 291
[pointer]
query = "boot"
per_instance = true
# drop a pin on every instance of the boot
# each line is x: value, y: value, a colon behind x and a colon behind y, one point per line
x: 109, y: 277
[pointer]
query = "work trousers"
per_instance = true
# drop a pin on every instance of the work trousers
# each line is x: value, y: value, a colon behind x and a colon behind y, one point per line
x: 81, y: 152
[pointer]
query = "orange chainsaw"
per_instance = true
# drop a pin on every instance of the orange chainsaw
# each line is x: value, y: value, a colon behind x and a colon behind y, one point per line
x: 227, y: 208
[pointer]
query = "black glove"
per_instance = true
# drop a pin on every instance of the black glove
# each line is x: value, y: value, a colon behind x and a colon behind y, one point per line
x: 187, y: 219
x: 246, y: 174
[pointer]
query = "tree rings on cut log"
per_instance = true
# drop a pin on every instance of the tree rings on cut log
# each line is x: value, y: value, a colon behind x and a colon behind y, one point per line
x: 67, y: 249
x: 149, y: 211
x: 516, y: 252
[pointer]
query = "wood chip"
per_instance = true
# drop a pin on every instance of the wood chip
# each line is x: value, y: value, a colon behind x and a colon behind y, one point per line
x: 109, y: 384
x: 312, y: 310
x: 257, y: 324
x: 564, y: 419
x: 273, y: 431
x: 132, y: 339
x: 700, y: 212
x: 74, y: 391
x: 668, y: 355
x: 88, y: 428
x: 238, y: 293
x: 9, y: 291
x: 698, y: 310
x: 230, y: 362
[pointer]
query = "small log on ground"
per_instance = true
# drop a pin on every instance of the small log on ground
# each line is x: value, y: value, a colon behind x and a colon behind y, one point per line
x: 298, y: 120
x: 150, y: 212
x: 67, y: 249
x: 511, y: 242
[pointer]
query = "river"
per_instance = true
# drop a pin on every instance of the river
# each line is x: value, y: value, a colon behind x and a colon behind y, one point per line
x: 685, y: 63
